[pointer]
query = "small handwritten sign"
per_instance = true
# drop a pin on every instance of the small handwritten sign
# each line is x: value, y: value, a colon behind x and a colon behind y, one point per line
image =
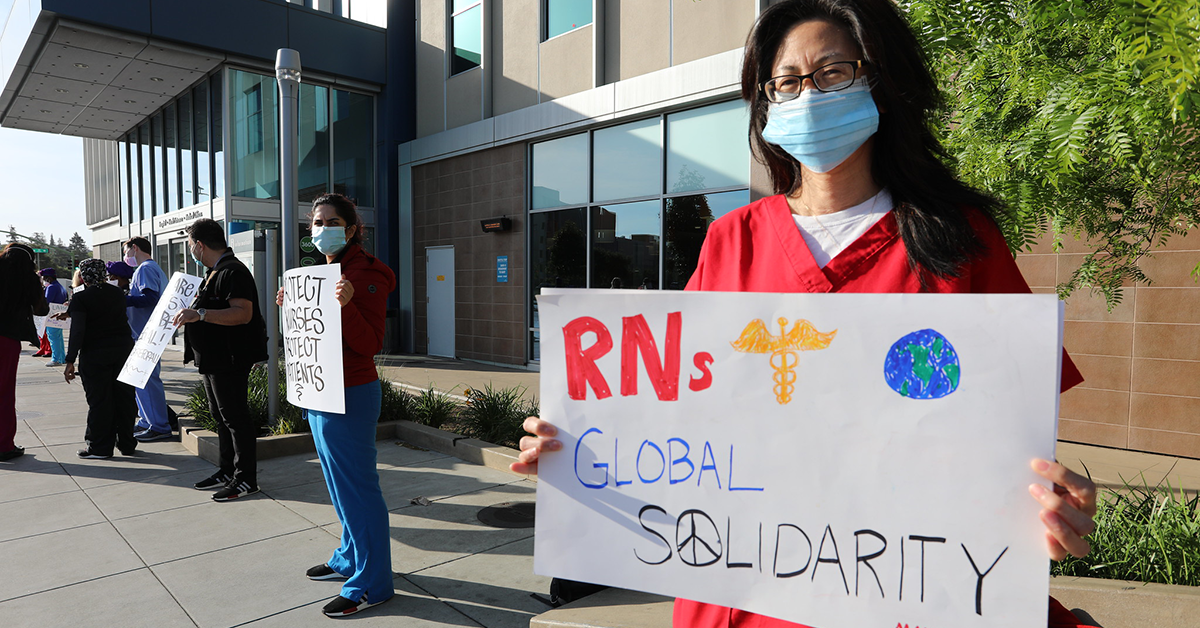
x: 312, y: 338
x: 57, y: 308
x: 158, y: 330
x: 833, y: 460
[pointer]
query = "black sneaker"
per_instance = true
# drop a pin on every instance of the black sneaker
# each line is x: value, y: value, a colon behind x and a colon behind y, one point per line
x: 234, y: 490
x: 216, y: 480
x: 150, y: 436
x: 342, y: 607
x: 15, y: 452
x: 88, y: 454
x: 323, y: 572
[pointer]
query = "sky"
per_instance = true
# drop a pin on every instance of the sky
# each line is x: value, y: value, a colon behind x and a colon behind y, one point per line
x: 41, y: 178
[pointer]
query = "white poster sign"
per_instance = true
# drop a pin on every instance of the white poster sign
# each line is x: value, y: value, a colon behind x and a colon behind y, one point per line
x: 58, y: 308
x: 312, y: 338
x: 181, y: 289
x: 39, y: 322
x: 840, y: 460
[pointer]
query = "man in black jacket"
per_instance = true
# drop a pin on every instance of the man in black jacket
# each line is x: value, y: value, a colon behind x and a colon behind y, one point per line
x: 225, y: 335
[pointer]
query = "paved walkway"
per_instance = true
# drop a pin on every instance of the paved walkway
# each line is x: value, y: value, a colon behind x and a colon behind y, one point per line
x: 128, y: 542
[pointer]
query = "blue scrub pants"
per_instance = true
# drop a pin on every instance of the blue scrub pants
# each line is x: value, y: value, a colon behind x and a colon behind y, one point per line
x: 152, y: 404
x: 346, y: 447
x: 56, y: 345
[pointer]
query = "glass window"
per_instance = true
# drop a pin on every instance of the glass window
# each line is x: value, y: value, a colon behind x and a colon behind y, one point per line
x: 686, y: 224
x: 187, y: 164
x: 466, y: 35
x: 353, y: 146
x: 566, y: 15
x: 560, y: 172
x: 625, y: 245
x: 253, y: 102
x: 200, y: 135
x: 123, y: 178
x: 707, y: 148
x: 313, y: 125
x: 171, y: 143
x: 373, y: 12
x: 217, y: 109
x: 146, y: 170
x: 558, y: 258
x: 627, y: 161
x: 156, y: 146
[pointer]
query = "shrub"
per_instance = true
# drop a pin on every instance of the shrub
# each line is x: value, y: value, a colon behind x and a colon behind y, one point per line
x: 433, y: 408
x: 396, y: 404
x: 496, y: 416
x: 1143, y: 533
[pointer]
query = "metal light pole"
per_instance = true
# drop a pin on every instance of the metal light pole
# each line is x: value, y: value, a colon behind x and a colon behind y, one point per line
x: 287, y: 71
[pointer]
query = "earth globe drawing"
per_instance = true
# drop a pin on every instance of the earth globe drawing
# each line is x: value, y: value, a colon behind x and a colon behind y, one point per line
x: 922, y: 365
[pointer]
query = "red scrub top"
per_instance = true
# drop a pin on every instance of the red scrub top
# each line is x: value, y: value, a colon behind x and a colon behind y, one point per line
x: 758, y: 248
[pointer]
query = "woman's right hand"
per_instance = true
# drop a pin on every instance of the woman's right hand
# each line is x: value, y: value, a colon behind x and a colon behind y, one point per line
x: 279, y: 297
x: 541, y: 439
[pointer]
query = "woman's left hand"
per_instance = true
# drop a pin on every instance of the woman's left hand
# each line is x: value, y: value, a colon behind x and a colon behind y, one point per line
x: 344, y: 290
x: 1067, y: 511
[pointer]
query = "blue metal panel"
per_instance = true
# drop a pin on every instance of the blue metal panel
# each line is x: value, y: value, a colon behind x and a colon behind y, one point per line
x: 128, y: 15
x: 254, y: 28
x: 338, y: 46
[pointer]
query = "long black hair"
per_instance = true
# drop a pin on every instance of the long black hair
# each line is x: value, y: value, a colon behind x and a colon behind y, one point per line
x: 907, y: 157
x: 18, y: 278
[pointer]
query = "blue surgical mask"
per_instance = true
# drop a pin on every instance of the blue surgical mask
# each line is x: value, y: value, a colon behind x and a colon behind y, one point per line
x: 822, y: 129
x: 329, y: 240
x: 194, y: 257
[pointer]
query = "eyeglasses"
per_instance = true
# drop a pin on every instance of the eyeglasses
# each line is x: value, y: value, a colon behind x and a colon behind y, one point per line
x: 831, y: 77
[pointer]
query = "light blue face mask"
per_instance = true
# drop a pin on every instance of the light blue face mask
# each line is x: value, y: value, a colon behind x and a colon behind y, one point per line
x: 329, y: 240
x: 822, y: 129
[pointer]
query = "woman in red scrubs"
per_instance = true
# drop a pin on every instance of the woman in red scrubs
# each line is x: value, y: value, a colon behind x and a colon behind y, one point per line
x: 840, y: 102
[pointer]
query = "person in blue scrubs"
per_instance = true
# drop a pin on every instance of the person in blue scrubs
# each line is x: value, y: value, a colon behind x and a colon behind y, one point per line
x: 55, y: 293
x: 145, y: 288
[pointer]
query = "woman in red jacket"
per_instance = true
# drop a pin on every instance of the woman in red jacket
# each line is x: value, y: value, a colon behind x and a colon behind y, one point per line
x: 346, y: 442
x: 840, y: 101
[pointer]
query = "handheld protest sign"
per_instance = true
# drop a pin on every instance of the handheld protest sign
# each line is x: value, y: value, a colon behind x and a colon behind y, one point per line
x: 180, y: 291
x: 39, y: 324
x: 312, y: 338
x: 833, y: 460
x: 57, y: 308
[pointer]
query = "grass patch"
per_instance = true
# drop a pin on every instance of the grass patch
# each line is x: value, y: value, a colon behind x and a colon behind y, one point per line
x: 496, y: 416
x: 1143, y: 533
x: 434, y: 408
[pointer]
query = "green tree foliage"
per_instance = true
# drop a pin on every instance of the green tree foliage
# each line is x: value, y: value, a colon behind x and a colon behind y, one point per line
x: 1083, y: 116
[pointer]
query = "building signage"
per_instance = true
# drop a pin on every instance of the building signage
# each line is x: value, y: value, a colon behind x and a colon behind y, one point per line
x: 800, y: 456
x: 312, y: 338
x: 180, y: 292
x: 502, y: 269
x: 177, y: 221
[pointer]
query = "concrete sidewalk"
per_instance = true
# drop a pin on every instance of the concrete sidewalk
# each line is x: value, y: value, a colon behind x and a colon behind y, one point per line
x: 128, y: 542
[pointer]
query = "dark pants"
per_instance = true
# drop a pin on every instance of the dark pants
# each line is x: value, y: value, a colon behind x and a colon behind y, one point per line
x: 111, y: 406
x: 10, y: 353
x: 236, y: 433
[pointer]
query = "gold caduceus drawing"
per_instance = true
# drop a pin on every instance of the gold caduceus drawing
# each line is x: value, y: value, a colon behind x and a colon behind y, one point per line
x: 756, y: 338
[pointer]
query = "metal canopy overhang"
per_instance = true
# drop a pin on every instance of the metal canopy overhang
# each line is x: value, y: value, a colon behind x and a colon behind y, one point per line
x: 95, y: 83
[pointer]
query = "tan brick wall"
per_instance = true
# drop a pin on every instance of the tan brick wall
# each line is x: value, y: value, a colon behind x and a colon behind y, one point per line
x: 1140, y: 361
x: 450, y: 197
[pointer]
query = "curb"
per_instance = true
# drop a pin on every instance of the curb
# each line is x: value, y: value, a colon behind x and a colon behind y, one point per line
x: 1108, y: 603
x: 468, y: 449
x: 203, y: 443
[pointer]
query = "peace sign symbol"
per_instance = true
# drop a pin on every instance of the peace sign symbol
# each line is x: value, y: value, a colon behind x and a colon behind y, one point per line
x: 698, y: 541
